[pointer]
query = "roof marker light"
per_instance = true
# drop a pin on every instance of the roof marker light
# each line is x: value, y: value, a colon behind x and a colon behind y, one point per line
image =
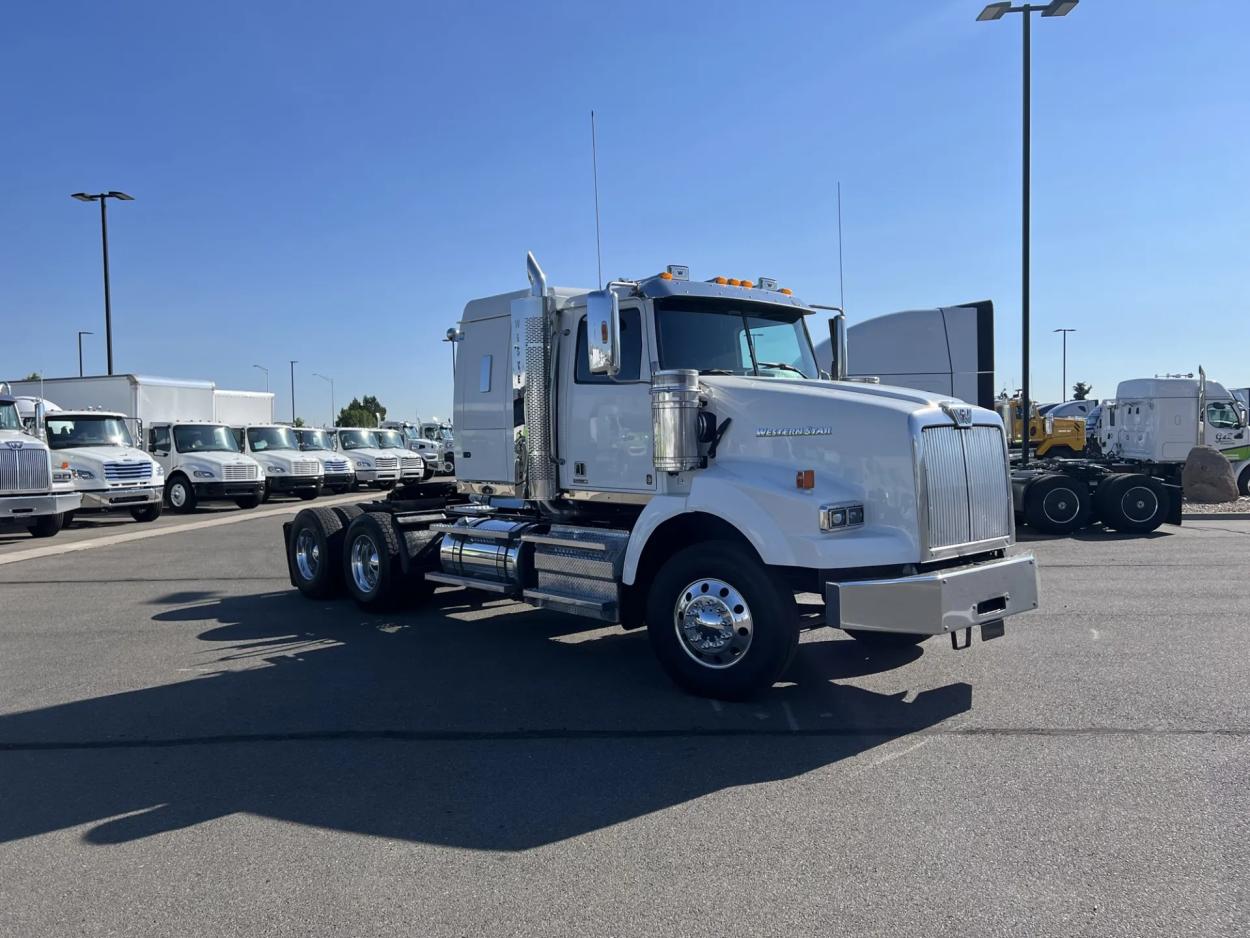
x: 747, y: 283
x: 734, y: 283
x: 721, y: 280
x: 666, y: 276
x: 786, y: 291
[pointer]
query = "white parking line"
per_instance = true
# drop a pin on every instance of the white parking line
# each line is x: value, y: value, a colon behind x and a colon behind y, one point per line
x: 109, y: 540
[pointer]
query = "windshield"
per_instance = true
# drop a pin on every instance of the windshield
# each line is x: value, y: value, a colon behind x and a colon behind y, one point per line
x: 721, y: 337
x: 9, y: 419
x: 262, y: 439
x: 390, y: 439
x: 357, y: 439
x: 313, y: 439
x: 68, y: 432
x: 205, y: 438
x: 445, y: 432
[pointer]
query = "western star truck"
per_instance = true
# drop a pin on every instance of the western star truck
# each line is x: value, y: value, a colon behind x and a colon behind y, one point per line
x: 108, y: 469
x: 288, y: 470
x: 34, y: 494
x: 666, y: 453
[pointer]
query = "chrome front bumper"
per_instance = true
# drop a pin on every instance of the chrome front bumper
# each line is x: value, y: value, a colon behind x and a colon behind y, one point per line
x: 19, y: 507
x: 935, y: 603
x: 122, y: 498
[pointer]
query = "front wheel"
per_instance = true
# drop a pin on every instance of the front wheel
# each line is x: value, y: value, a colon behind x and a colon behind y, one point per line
x: 180, y: 495
x: 308, y: 495
x: 720, y: 622
x: 48, y: 525
x: 146, y: 513
x: 1243, y: 481
x: 248, y: 502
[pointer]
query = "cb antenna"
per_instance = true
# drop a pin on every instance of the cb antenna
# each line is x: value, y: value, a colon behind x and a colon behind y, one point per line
x: 594, y: 165
x: 841, y: 287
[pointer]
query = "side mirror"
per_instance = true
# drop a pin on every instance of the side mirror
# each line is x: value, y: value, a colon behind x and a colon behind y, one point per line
x: 603, y: 333
x: 837, y: 345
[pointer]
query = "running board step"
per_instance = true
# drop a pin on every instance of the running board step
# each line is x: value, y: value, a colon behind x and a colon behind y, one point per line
x: 490, y: 586
x: 574, y: 605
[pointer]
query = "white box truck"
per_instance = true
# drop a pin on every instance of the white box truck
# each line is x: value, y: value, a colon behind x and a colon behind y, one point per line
x: 411, y: 465
x: 288, y: 470
x: 665, y: 453
x: 434, y: 454
x: 371, y: 464
x: 243, y: 408
x: 337, y: 472
x: 34, y: 494
x: 108, y: 468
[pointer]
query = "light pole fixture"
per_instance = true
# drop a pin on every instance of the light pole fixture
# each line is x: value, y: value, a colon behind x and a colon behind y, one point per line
x: 454, y: 335
x: 331, y: 380
x: 1064, y: 395
x: 81, y: 333
x: 294, y: 362
x: 266, y: 371
x: 102, y: 198
x: 996, y: 11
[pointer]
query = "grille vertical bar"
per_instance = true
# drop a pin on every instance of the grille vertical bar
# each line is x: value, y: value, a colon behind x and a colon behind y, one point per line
x: 966, y: 482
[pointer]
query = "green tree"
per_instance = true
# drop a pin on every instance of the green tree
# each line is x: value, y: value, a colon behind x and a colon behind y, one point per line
x: 361, y: 412
x: 33, y: 376
x: 1080, y: 391
x: 299, y: 422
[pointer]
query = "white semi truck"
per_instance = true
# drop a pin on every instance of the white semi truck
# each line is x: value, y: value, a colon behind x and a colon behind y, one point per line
x: 337, y: 472
x: 371, y: 464
x: 288, y: 470
x: 411, y: 464
x: 34, y: 493
x: 203, y: 462
x: 666, y: 453
x: 109, y: 470
x: 437, y: 454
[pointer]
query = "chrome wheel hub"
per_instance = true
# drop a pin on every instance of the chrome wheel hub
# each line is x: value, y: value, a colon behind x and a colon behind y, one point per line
x: 1139, y: 504
x: 365, y: 563
x: 177, y: 495
x: 713, y: 622
x: 307, y: 555
x: 1061, y: 506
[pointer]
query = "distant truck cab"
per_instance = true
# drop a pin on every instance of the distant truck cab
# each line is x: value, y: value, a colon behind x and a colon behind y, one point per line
x: 203, y: 462
x: 109, y: 470
x: 1049, y: 435
x: 34, y: 494
x: 288, y: 470
x: 336, y: 469
x: 371, y: 464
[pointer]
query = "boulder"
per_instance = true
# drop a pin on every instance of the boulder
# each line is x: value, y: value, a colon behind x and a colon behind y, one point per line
x: 1208, y: 477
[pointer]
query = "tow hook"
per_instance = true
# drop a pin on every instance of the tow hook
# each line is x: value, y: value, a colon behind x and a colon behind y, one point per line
x: 994, y: 628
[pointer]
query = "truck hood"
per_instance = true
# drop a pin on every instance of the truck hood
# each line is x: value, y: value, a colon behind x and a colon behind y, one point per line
x: 216, y: 459
x: 96, y: 456
x: 368, y: 453
x: 283, y: 457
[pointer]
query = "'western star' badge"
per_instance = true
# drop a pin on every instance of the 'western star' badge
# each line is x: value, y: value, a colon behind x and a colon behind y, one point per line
x: 960, y: 413
x: 13, y: 444
x: 794, y: 431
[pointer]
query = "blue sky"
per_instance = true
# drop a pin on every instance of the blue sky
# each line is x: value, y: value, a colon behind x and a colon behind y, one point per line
x: 330, y: 182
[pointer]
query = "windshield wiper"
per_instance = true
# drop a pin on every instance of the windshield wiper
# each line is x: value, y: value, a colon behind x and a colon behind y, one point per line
x: 715, y: 371
x: 783, y: 366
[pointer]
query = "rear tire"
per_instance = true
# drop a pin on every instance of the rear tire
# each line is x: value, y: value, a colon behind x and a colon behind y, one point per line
x: 1056, y: 504
x: 181, y: 495
x: 315, y: 552
x: 886, y: 640
x: 371, y: 569
x: 146, y: 513
x: 1132, y: 503
x: 48, y: 525
x: 720, y: 622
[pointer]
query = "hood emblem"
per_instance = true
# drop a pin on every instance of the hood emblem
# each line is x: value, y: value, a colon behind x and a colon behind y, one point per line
x: 13, y: 444
x: 794, y: 431
x: 961, y: 414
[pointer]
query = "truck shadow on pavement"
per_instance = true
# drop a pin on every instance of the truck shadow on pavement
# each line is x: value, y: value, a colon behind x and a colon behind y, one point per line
x: 502, y: 728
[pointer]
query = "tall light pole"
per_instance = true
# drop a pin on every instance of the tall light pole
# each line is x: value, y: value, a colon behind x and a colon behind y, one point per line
x: 266, y: 371
x: 996, y: 11
x: 1064, y: 396
x: 102, y: 198
x: 294, y: 362
x: 81, y: 333
x: 331, y: 380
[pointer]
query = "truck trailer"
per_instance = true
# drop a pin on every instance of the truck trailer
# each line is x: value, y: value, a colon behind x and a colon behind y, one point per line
x: 666, y: 453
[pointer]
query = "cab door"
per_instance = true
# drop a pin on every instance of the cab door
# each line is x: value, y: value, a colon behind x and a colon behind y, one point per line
x: 605, y: 423
x: 1225, y: 426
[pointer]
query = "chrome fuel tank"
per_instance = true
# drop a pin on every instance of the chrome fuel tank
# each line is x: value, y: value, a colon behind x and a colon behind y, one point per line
x: 486, y: 549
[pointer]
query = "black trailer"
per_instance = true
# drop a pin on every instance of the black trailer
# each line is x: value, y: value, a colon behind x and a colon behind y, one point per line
x: 1060, y: 496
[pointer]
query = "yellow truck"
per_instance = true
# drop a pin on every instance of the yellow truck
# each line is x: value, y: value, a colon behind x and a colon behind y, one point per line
x: 1048, y: 436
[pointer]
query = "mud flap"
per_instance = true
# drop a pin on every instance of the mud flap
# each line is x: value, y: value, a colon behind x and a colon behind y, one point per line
x: 1175, y: 500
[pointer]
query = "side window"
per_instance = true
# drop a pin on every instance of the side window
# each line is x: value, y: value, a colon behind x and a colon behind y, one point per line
x: 158, y: 439
x: 1222, y: 415
x: 631, y: 350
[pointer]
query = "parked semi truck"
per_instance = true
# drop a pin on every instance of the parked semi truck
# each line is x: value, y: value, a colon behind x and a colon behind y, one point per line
x: 666, y: 453
x: 108, y: 469
x: 34, y: 494
x: 287, y: 469
x: 337, y: 473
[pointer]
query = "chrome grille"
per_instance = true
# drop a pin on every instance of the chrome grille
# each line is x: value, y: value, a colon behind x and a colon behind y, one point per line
x: 239, y: 473
x: 127, y: 471
x: 415, y: 462
x: 386, y: 462
x: 305, y: 467
x: 336, y: 465
x: 24, y: 469
x: 966, y: 485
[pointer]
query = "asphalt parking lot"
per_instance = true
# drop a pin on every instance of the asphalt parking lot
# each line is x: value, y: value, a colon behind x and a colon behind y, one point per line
x: 188, y: 747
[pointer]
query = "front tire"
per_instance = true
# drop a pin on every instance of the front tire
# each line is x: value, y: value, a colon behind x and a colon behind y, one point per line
x: 48, y: 525
x: 248, y: 502
x: 1243, y: 481
x: 181, y: 495
x: 308, y: 495
x: 720, y: 622
x: 146, y: 513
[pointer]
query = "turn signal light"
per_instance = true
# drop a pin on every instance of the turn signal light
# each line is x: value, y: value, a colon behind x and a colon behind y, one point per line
x: 805, y: 479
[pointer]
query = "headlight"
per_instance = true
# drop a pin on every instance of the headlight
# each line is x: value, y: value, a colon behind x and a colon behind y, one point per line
x: 83, y: 473
x: 61, y: 475
x: 274, y: 469
x: 363, y: 464
x: 201, y: 474
x: 841, y: 517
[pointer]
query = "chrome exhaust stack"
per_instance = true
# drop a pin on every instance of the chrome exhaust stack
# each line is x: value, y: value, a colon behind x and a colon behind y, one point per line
x: 532, y: 335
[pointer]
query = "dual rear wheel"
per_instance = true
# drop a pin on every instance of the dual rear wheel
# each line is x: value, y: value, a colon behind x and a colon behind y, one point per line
x: 1128, y: 502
